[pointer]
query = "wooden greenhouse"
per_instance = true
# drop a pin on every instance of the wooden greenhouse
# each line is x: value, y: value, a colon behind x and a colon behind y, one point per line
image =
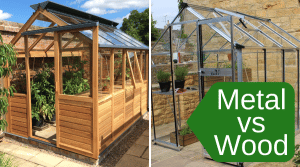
x: 115, y: 71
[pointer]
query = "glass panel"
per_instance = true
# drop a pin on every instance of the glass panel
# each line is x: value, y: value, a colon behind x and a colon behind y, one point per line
x: 117, y: 32
x: 70, y: 20
x: 112, y: 34
x: 19, y: 76
x: 131, y: 38
x: 110, y: 38
x: 76, y: 70
x: 102, y: 41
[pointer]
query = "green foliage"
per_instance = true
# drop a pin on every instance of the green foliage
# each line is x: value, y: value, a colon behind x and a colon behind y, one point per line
x: 43, y: 93
x: 182, y: 34
x: 6, y: 161
x: 118, y: 70
x: 296, y: 159
x: 43, y: 89
x: 137, y: 26
x: 154, y: 31
x: 186, y: 130
x: 228, y: 65
x: 73, y: 81
x: 163, y: 76
x: 181, y: 72
x: 7, y: 60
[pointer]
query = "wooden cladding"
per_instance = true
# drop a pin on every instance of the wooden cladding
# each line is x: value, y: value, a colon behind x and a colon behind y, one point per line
x: 18, y: 115
x: 76, y: 126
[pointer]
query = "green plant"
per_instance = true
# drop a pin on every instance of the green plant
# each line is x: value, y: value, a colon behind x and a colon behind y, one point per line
x: 186, y: 130
x: 73, y: 81
x: 228, y: 65
x: 43, y: 93
x: 6, y: 161
x: 118, y: 71
x: 181, y: 72
x: 296, y: 159
x: 163, y: 76
x: 7, y: 60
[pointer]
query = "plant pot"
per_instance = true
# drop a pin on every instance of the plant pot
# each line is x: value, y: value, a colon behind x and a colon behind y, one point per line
x: 183, y: 140
x: 165, y: 86
x: 105, y: 88
x: 2, y: 136
x: 53, y: 119
x: 179, y: 84
x: 229, y: 56
x: 37, y: 123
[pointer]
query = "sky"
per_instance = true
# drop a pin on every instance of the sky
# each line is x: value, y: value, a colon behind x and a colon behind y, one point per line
x: 164, y: 10
x: 115, y: 10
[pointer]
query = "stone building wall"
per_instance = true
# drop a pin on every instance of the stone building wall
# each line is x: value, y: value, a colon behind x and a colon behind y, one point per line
x: 284, y: 13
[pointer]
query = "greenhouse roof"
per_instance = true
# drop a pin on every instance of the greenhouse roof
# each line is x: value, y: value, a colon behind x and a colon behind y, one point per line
x: 69, y: 19
x: 248, y: 31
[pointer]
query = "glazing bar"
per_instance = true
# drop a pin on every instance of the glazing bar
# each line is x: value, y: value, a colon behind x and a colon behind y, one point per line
x: 275, y: 32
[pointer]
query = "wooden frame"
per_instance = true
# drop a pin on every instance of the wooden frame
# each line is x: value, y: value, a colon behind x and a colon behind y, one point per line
x: 90, y: 125
x: 95, y: 93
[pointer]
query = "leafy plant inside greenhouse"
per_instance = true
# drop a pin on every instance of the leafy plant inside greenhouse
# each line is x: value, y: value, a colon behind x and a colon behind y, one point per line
x: 73, y: 81
x: 43, y: 87
x: 43, y: 93
x: 7, y: 60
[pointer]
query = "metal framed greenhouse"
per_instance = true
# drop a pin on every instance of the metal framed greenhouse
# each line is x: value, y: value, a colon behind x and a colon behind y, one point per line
x: 216, y: 45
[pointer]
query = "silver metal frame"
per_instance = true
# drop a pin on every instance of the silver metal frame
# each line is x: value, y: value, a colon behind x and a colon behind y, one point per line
x: 236, y: 49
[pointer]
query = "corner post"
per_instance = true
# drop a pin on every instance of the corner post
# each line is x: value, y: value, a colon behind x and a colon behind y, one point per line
x: 57, y: 87
x: 283, y: 65
x: 298, y: 88
x: 123, y: 68
x: 173, y: 87
x: 96, y: 136
x: 265, y: 64
x: 239, y: 65
x: 29, y: 120
x: 232, y: 49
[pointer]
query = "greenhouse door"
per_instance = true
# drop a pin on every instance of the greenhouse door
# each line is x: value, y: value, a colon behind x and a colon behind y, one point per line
x: 74, y: 83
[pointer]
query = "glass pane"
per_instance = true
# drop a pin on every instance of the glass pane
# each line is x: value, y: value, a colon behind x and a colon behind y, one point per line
x: 110, y: 38
x: 111, y: 33
x: 131, y: 38
x: 102, y: 41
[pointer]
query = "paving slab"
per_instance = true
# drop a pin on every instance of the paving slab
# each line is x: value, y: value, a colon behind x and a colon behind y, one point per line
x: 46, y: 159
x: 176, y: 161
x: 130, y: 161
x: 136, y: 150
x: 8, y: 147
x: 67, y: 163
x: 146, y: 133
x: 23, y: 163
x: 146, y: 154
x: 24, y: 153
x: 143, y: 140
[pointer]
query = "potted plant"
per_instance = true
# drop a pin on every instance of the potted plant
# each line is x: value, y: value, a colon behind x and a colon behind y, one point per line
x: 105, y: 88
x: 186, y: 136
x: 42, y: 96
x: 164, y: 80
x: 296, y: 159
x: 180, y: 73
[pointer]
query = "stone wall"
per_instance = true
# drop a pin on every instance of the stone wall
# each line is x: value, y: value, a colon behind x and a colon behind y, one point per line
x: 284, y: 13
x: 9, y: 29
x: 188, y: 101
